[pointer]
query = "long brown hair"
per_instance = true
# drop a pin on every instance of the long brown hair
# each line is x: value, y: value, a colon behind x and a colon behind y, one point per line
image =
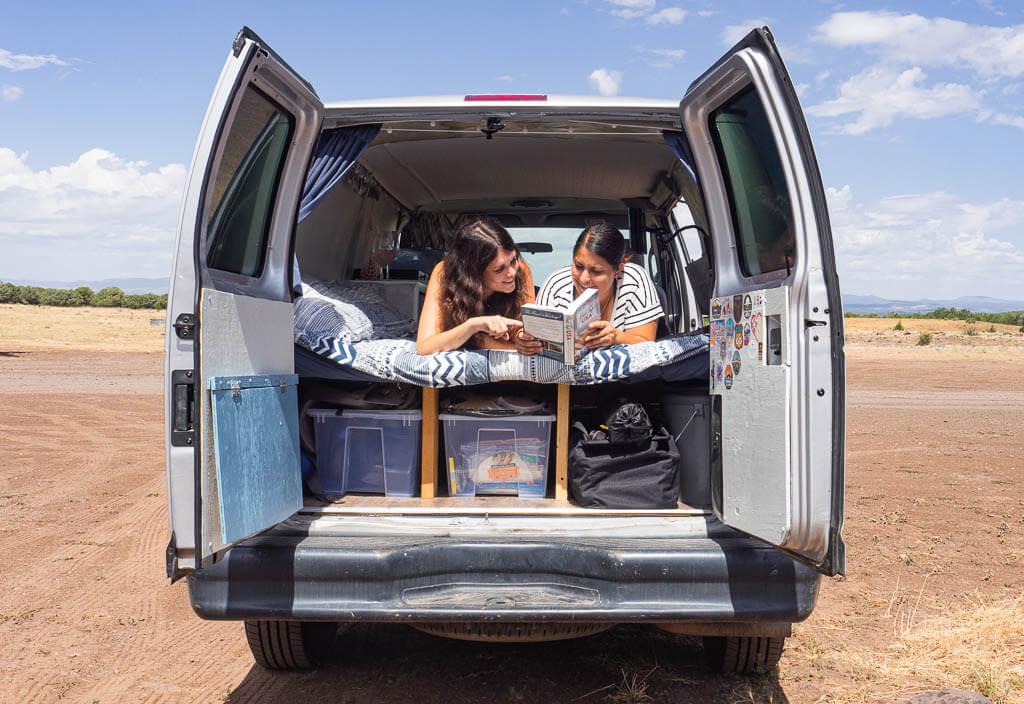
x: 474, y: 248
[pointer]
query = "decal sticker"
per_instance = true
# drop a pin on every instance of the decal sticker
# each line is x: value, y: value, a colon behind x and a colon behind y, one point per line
x: 736, y: 363
x: 739, y: 337
x: 760, y: 351
x: 755, y: 325
x: 728, y: 376
x: 727, y: 308
x: 716, y: 308
x: 737, y: 307
x: 746, y: 334
x: 747, y: 305
x: 718, y: 372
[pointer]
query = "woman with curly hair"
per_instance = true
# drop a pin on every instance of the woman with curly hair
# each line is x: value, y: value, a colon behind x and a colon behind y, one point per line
x: 475, y: 295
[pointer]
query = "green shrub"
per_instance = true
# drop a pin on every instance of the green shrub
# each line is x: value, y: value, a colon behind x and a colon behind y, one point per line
x: 110, y: 297
x: 925, y: 338
x: 970, y: 331
x: 57, y: 297
x: 898, y: 326
x: 9, y: 293
x: 991, y: 328
x: 32, y: 295
x: 83, y: 296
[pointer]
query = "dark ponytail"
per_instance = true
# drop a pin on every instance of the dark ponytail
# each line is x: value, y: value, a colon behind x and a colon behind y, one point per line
x: 606, y: 241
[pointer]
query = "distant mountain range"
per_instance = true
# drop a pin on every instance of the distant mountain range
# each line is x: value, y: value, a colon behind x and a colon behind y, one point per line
x: 851, y: 303
x: 976, y: 304
x: 128, y: 285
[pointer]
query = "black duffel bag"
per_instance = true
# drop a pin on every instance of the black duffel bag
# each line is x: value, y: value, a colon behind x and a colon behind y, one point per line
x: 625, y: 463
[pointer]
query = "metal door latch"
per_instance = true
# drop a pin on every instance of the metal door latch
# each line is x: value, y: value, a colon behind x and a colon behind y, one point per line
x: 184, y: 326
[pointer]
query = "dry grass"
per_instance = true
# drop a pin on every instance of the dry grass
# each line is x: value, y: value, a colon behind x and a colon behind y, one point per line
x: 980, y: 648
x: 33, y: 328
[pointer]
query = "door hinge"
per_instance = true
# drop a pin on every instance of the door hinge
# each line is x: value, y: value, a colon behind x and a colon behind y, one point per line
x: 183, y: 408
x: 185, y: 326
x: 174, y: 573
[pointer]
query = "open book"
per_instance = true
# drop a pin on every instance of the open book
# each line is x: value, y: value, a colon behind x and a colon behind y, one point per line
x: 558, y: 329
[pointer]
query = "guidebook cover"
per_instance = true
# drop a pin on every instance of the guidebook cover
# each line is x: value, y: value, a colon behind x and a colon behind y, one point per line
x: 558, y: 329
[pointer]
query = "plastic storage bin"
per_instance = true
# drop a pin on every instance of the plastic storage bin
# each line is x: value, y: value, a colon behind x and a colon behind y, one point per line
x: 506, y: 455
x: 376, y: 452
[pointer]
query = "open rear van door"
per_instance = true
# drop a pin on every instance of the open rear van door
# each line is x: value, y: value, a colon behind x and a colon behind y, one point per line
x: 777, y: 362
x: 231, y: 409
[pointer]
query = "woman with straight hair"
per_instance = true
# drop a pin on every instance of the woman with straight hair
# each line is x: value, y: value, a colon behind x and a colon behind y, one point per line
x: 630, y: 306
x: 475, y: 294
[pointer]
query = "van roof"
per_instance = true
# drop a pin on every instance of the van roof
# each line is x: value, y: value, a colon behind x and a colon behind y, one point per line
x: 596, y: 103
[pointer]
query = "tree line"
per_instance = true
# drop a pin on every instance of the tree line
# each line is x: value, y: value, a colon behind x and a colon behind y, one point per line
x: 1013, y: 317
x: 109, y: 297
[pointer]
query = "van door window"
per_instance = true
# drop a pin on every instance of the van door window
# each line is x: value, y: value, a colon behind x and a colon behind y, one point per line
x: 242, y: 190
x: 756, y: 184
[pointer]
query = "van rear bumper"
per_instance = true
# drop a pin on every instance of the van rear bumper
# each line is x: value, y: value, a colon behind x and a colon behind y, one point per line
x: 288, y: 576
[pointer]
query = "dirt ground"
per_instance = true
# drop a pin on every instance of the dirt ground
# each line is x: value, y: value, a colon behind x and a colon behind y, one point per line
x: 934, y: 532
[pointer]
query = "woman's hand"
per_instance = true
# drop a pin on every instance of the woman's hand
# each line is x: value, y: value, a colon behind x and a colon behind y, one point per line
x: 526, y: 343
x: 600, y: 333
x: 497, y: 326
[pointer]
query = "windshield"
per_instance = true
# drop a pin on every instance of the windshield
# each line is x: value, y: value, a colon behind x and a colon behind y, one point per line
x: 561, y: 240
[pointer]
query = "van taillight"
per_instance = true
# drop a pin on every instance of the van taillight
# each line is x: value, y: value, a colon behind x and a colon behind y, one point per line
x: 476, y: 98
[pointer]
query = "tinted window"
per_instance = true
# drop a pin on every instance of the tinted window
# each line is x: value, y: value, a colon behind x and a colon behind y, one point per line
x: 242, y: 193
x: 761, y: 212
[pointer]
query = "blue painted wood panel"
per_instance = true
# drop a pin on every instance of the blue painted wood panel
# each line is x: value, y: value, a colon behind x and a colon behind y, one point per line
x: 256, y: 445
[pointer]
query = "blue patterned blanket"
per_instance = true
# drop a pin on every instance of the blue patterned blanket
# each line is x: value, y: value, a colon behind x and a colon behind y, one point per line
x: 325, y: 328
x: 672, y: 359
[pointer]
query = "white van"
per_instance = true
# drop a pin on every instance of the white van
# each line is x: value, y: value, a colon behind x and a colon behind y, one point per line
x: 722, y: 200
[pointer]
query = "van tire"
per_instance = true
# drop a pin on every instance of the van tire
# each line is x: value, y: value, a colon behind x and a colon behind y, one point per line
x: 743, y: 654
x: 290, y: 645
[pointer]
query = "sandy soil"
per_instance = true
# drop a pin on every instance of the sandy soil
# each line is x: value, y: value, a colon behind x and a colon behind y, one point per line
x: 933, y: 527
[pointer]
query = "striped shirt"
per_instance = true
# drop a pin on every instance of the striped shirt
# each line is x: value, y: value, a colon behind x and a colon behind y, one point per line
x: 636, y: 300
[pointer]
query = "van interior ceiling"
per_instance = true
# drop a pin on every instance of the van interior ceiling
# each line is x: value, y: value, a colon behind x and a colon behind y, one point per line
x: 420, y: 177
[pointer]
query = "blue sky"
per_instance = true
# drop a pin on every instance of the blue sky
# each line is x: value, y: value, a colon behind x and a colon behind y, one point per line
x: 916, y: 110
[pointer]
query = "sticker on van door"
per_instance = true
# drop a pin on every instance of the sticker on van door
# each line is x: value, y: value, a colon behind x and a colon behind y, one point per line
x: 732, y: 342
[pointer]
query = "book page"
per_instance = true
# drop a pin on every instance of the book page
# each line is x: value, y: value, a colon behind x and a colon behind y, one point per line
x: 547, y: 325
x: 586, y: 308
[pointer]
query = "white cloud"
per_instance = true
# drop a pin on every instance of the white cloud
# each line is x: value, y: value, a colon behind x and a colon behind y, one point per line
x: 663, y: 58
x: 606, y: 82
x: 631, y: 9
x: 97, y: 216
x: 670, y: 15
x: 879, y: 94
x: 705, y: 13
x: 934, y: 245
x: 1011, y: 120
x: 10, y: 93
x: 916, y: 40
x: 24, y: 62
x: 734, y: 32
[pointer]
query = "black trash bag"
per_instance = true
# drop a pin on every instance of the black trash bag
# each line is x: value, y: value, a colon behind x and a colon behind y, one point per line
x: 637, y: 474
x: 627, y: 423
